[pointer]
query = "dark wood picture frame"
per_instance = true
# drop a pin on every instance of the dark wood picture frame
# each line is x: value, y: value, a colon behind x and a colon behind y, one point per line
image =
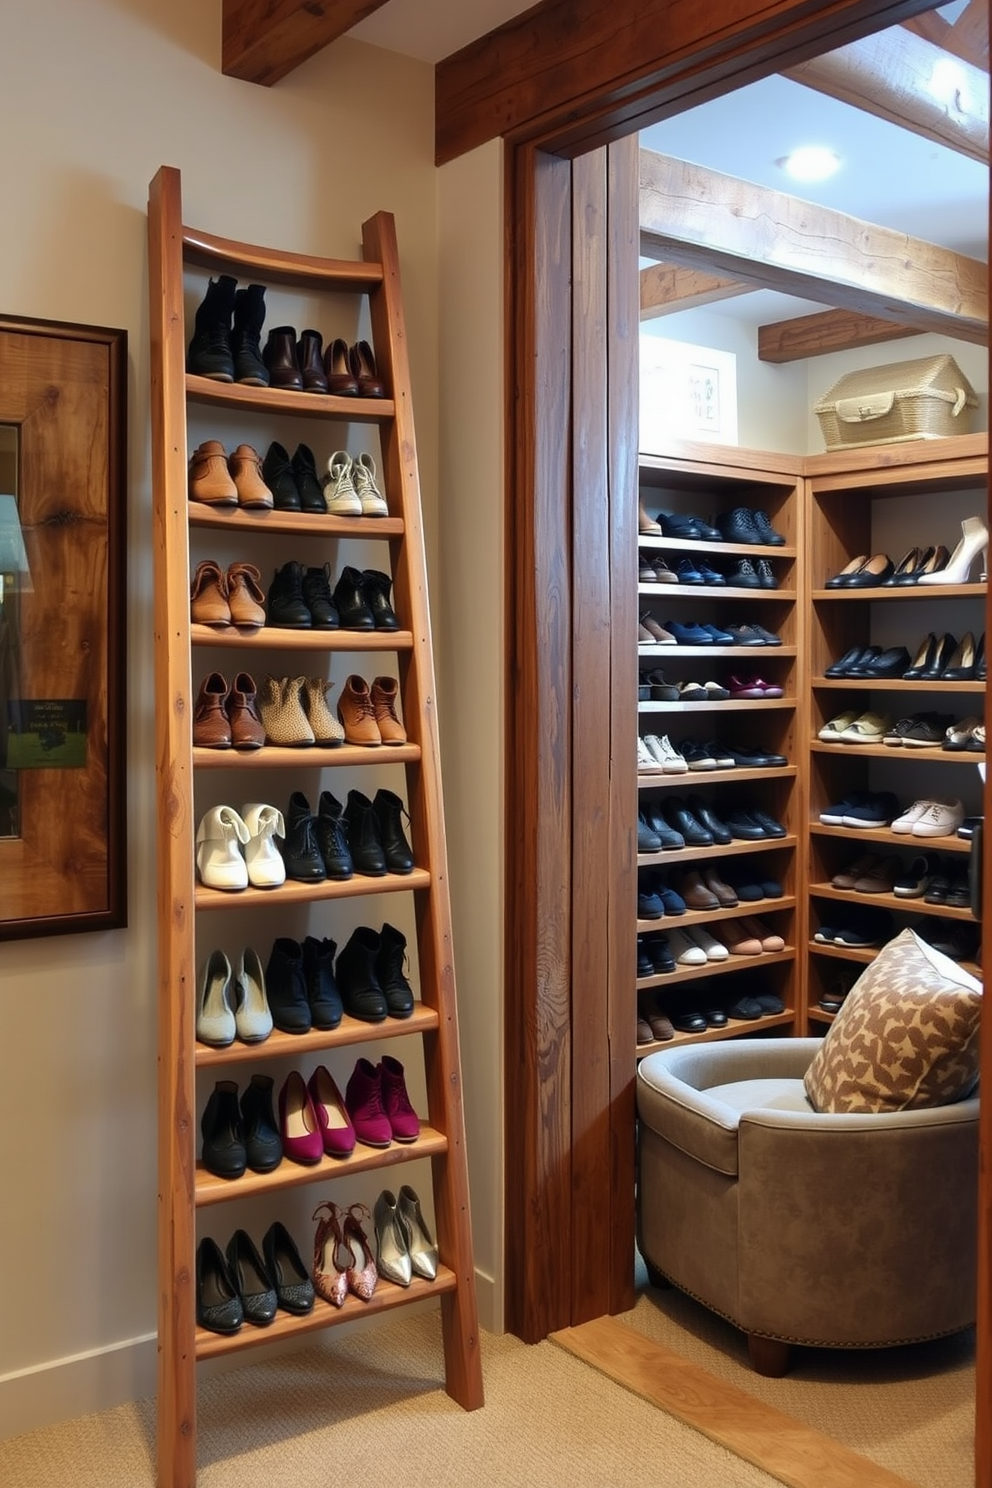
x: 64, y: 388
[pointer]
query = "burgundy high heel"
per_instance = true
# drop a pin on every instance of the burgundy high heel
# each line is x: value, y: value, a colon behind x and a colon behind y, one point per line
x: 330, y: 1256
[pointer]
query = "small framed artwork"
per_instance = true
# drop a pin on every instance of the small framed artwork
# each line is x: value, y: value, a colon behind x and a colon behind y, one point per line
x: 63, y: 433
x: 687, y: 392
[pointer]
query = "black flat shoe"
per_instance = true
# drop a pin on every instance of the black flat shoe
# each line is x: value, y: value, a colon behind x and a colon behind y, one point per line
x: 839, y: 580
x: 218, y: 1306
x: 890, y: 663
x: 871, y: 575
x: 857, y: 656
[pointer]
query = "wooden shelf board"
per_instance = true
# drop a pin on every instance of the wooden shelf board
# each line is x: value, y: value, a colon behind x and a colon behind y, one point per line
x: 683, y: 974
x: 891, y: 901
x: 711, y: 591
x: 275, y: 267
x: 281, y: 401
x: 908, y: 591
x: 911, y: 466
x: 756, y: 908
x: 385, y: 1297
x: 304, y: 524
x: 931, y: 753
x: 678, y: 653
x: 212, y: 1190
x: 867, y: 954
x: 695, y: 854
x: 894, y: 684
x: 733, y: 1029
x: 349, y: 1031
x: 819, y: 1015
x: 647, y: 781
x: 893, y: 840
x: 724, y: 464
x: 308, y: 757
x: 719, y: 705
x: 291, y: 893
x: 275, y: 638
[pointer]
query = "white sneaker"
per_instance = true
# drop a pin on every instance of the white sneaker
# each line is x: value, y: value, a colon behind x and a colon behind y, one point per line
x: 685, y: 951
x: 219, y: 839
x: 941, y: 819
x: 372, y: 501
x: 911, y: 816
x: 646, y: 762
x: 714, y: 949
x: 265, y: 863
x: 340, y: 496
x: 252, y: 1014
x: 667, y: 756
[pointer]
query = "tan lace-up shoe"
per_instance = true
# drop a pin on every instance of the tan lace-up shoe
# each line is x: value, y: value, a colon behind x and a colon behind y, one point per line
x: 282, y: 712
x: 384, y: 693
x: 245, y: 596
x: 357, y: 713
x: 208, y: 602
x: 211, y: 725
x: 210, y: 481
x: 247, y: 728
x: 326, y: 728
x: 245, y: 465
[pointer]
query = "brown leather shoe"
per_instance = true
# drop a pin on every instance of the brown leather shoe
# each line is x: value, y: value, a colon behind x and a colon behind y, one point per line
x: 245, y: 465
x: 245, y: 596
x: 310, y: 359
x: 695, y: 892
x: 769, y: 940
x: 361, y: 359
x: 357, y: 713
x: 247, y: 728
x: 211, y: 725
x: 280, y: 358
x: 738, y: 940
x: 208, y: 602
x: 384, y: 692
x: 726, y: 895
x: 210, y: 480
x: 661, y: 1026
x: 341, y: 381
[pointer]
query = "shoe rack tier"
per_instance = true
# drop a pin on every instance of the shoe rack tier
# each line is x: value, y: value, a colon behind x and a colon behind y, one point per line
x: 867, y: 503
x: 185, y: 906
x: 742, y: 1028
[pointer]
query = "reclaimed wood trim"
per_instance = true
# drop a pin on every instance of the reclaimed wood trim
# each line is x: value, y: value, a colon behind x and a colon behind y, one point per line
x: 828, y: 330
x: 666, y: 288
x: 263, y: 40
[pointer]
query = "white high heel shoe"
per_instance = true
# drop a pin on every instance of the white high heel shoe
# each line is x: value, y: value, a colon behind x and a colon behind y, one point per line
x: 219, y: 839
x: 974, y: 540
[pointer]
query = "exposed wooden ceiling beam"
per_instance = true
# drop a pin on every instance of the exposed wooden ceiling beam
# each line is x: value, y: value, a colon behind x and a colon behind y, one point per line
x: 263, y: 40
x: 967, y: 38
x: 907, y: 80
x: 828, y: 330
x: 665, y: 289
x: 705, y: 220
x: 587, y: 71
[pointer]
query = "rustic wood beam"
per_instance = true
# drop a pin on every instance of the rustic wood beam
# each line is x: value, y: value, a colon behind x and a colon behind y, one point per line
x: 828, y: 330
x: 907, y: 80
x: 968, y: 38
x: 705, y: 220
x: 577, y: 73
x: 263, y: 40
x: 665, y: 288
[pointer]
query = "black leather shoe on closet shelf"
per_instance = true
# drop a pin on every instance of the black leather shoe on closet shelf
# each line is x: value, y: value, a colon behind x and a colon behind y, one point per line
x: 299, y: 846
x: 252, y: 1281
x: 218, y: 1306
x: 283, y: 1262
x: 871, y: 575
x: 223, y: 1152
x: 286, y: 988
x: 326, y: 1007
x: 263, y: 1144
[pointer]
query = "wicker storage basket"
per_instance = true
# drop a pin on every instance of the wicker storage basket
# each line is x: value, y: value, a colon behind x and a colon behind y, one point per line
x: 924, y: 399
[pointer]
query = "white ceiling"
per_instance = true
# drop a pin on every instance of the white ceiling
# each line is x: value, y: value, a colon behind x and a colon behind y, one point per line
x: 889, y: 176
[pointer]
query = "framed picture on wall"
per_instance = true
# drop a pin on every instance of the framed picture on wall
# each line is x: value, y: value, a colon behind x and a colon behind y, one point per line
x: 687, y: 392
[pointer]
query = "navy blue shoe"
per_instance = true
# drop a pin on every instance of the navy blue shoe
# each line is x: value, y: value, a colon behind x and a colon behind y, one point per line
x: 717, y: 636
x: 649, y: 905
x: 673, y: 903
x: 710, y: 575
x: 688, y: 635
x: 688, y: 573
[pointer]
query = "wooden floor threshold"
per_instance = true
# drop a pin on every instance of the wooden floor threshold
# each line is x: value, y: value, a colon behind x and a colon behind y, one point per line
x: 784, y: 1448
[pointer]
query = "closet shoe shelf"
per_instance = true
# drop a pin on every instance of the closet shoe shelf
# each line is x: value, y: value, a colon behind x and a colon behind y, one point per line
x: 752, y: 907
x: 890, y: 901
x: 907, y: 591
x: 932, y: 753
x: 185, y: 1187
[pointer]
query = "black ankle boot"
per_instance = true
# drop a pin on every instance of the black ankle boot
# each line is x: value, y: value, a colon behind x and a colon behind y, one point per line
x: 263, y: 1143
x: 310, y: 360
x: 360, y: 990
x: 377, y: 587
x: 223, y: 1152
x: 299, y: 846
x: 279, y: 357
x: 389, y: 972
x: 332, y: 838
x: 389, y: 812
x: 286, y: 606
x: 285, y: 987
x: 246, y: 336
x: 351, y: 600
x: 363, y: 836
x: 277, y: 473
x: 307, y: 483
x: 322, y: 988
x: 317, y: 598
x: 210, y: 349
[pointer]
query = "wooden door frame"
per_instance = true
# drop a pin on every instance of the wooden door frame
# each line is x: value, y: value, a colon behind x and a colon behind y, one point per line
x: 570, y: 994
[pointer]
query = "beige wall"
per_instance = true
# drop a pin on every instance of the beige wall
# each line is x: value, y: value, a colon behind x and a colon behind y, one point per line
x: 96, y: 95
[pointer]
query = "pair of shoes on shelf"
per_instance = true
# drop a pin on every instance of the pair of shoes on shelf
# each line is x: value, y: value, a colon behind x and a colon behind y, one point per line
x: 342, y: 1256
x: 218, y: 479
x: 863, y: 808
x: 752, y: 634
x: 232, y: 1005
x: 301, y: 598
x: 919, y: 730
x: 368, y: 713
x: 238, y: 848
x: 364, y: 836
x: 655, y: 687
x: 226, y: 341
x: 701, y: 692
x: 307, y: 990
x: 293, y: 479
x: 240, y: 1133
x: 405, y: 1247
x: 753, y: 687
x: 688, y: 527
x: 654, y: 956
x: 650, y: 633
x: 856, y: 727
x: 966, y: 734
x: 652, y: 569
x: 875, y: 662
x: 748, y: 525
x: 657, y: 755
x: 301, y: 364
x: 915, y: 563
x: 942, y: 658
x: 294, y: 713
x: 227, y: 716
x: 697, y: 635
x: 952, y: 938
x: 242, y: 1285
x: 349, y: 488
x: 698, y: 572
x: 856, y: 925
x: 656, y: 899
x: 878, y: 873
x: 222, y: 599
x: 867, y: 571
x: 930, y: 817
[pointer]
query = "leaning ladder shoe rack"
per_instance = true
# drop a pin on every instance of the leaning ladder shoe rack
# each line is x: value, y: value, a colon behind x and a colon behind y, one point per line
x: 183, y: 1188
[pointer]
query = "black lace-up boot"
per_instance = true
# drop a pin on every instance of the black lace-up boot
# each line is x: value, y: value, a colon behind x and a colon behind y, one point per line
x: 210, y: 349
x: 389, y: 971
x: 389, y: 812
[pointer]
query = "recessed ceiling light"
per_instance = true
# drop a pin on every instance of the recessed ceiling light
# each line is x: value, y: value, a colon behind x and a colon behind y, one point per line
x: 811, y: 163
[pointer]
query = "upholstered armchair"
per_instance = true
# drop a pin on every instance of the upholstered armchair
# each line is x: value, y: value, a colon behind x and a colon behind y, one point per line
x: 843, y: 1230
